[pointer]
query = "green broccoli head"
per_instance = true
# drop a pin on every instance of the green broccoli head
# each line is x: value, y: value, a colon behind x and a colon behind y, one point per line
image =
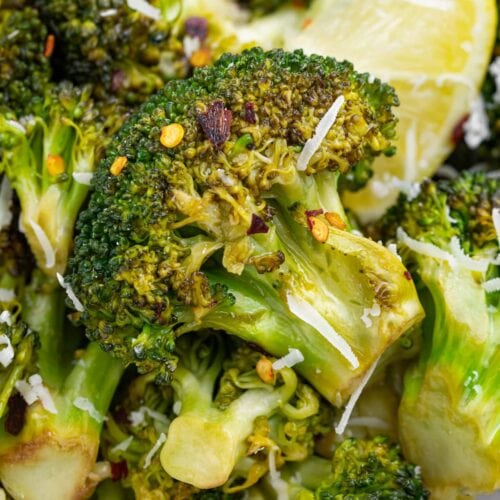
x: 372, y: 469
x: 48, y: 156
x: 448, y: 237
x: 200, y: 217
x: 24, y: 60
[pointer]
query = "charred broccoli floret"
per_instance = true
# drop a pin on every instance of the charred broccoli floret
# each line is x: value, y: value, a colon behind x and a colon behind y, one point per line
x: 372, y: 469
x: 24, y: 60
x: 448, y: 237
x: 200, y: 218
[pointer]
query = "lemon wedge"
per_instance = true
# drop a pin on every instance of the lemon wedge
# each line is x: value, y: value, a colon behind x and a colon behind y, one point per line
x: 434, y: 52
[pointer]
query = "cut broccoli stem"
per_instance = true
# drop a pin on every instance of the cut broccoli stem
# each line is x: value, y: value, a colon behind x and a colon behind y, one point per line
x: 69, y: 439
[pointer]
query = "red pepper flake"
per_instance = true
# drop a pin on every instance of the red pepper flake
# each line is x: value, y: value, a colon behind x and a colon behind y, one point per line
x: 49, y: 46
x: 312, y: 213
x: 257, y: 226
x: 408, y: 275
x: 250, y: 116
x: 196, y: 27
x: 216, y: 123
x: 307, y: 22
x: 16, y: 414
x: 458, y: 131
x: 119, y: 470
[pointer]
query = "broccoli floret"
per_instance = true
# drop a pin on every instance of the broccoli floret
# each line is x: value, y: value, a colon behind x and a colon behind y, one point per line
x: 24, y: 60
x: 49, y: 156
x: 263, y: 7
x: 222, y: 230
x: 450, y: 403
x: 372, y: 469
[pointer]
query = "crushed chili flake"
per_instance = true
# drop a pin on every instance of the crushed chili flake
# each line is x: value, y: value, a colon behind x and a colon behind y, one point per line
x: 118, y: 165
x: 250, y: 116
x: 458, y: 132
x: 312, y: 213
x: 264, y: 369
x: 200, y: 57
x: 196, y: 27
x: 119, y: 470
x: 335, y: 220
x: 16, y: 414
x: 408, y: 275
x: 257, y: 226
x: 50, y: 43
x: 319, y: 229
x: 216, y: 123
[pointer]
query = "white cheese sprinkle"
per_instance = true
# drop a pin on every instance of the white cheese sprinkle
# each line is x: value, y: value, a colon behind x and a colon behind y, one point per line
x: 153, y: 450
x: 324, y: 125
x: 277, y: 483
x: 6, y: 351
x: 492, y: 285
x: 5, y: 203
x: 494, y: 71
x: 137, y: 417
x: 495, y: 215
x: 87, y: 406
x: 70, y: 293
x: 289, y: 360
x: 476, y: 127
x: 393, y: 248
x: 307, y: 313
x: 373, y: 311
x: 479, y: 265
x: 145, y: 8
x: 18, y: 126
x: 108, y: 13
x: 190, y: 45
x: 123, y: 445
x: 34, y: 390
x: 48, y: 250
x: 340, y: 428
x: 5, y: 317
x: 7, y: 295
x: 423, y: 248
x: 83, y: 177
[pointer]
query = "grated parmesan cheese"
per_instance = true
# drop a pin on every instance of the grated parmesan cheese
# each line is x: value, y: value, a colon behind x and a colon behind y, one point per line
x: 494, y: 71
x: 340, y: 428
x: 6, y: 351
x: 137, y: 417
x: 492, y: 285
x: 277, y: 483
x: 307, y: 313
x: 495, y: 215
x: 393, y: 248
x: 479, y: 265
x: 190, y: 45
x: 7, y: 295
x: 5, y: 317
x: 50, y: 254
x: 324, y: 125
x: 447, y: 172
x: 108, y: 13
x: 476, y: 127
x: 70, y: 293
x: 423, y: 248
x: 34, y: 390
x: 123, y: 445
x: 373, y: 311
x: 83, y: 177
x: 86, y: 405
x: 153, y: 450
x: 5, y: 203
x: 143, y: 7
x: 289, y: 360
x: 18, y: 126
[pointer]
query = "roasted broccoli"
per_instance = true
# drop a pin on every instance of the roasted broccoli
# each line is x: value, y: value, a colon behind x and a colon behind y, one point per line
x: 448, y: 418
x: 201, y: 217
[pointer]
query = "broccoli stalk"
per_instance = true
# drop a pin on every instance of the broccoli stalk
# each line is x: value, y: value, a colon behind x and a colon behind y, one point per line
x: 450, y: 400
x: 205, y: 441
x: 56, y: 434
x: 219, y: 228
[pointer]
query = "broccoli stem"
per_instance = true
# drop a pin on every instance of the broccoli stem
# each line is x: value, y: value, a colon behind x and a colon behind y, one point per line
x: 68, y: 440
